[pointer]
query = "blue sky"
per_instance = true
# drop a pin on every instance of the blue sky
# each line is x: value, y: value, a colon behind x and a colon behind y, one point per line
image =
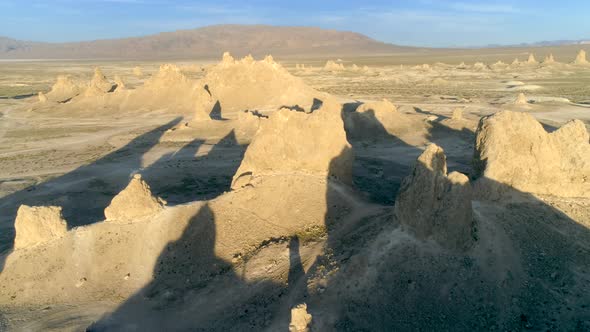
x: 419, y: 22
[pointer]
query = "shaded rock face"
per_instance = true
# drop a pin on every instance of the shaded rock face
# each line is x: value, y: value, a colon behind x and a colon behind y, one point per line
x: 99, y: 84
x: 134, y: 202
x: 513, y: 149
x: 38, y: 224
x: 300, y: 319
x: 435, y: 205
x: 249, y: 84
x: 291, y: 142
x: 63, y: 90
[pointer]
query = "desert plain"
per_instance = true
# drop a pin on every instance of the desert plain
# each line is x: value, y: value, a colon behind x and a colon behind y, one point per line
x: 427, y: 191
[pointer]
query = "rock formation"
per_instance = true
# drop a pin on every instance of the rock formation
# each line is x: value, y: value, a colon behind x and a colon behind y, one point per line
x: 63, y: 90
x: 297, y: 142
x: 374, y: 119
x: 99, y: 85
x: 333, y: 66
x: 249, y: 84
x: 516, y: 62
x: 119, y: 83
x: 435, y: 205
x: 457, y: 114
x: 521, y: 99
x: 514, y: 150
x: 581, y: 58
x: 42, y: 97
x: 38, y: 224
x: 137, y: 71
x: 134, y: 202
x: 300, y: 319
x: 549, y: 59
x: 531, y: 60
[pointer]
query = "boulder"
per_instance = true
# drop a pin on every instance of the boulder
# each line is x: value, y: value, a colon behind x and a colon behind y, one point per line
x: 38, y: 224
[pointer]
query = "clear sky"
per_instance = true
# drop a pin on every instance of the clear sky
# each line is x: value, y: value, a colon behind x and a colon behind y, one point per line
x: 419, y: 22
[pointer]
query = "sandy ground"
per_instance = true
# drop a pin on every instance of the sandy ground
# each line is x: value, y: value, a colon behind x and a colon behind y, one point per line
x: 529, y: 270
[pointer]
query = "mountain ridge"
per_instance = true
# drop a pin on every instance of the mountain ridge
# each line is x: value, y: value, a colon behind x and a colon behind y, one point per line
x: 206, y: 42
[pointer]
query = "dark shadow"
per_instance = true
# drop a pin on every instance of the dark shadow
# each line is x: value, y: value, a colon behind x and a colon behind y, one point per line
x: 194, y: 290
x: 215, y: 113
x: 83, y: 193
x: 25, y: 96
x: 317, y: 104
x: 375, y: 175
x: 522, y: 273
x: 113, y: 88
x: 182, y: 177
x: 295, y: 108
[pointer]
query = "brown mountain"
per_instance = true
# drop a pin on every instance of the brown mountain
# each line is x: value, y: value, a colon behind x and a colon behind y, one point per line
x: 207, y: 42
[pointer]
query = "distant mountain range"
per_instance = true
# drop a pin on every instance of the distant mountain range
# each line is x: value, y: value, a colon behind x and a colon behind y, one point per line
x: 207, y: 42
x: 547, y: 43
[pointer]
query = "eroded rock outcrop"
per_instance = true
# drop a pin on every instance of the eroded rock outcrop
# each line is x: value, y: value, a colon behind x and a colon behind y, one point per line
x: 333, y: 66
x: 513, y: 150
x: 99, y: 85
x: 521, y: 99
x: 63, y: 90
x: 435, y: 205
x: 549, y: 59
x: 300, y: 319
x: 298, y: 142
x: 531, y: 60
x: 581, y: 58
x: 38, y: 224
x: 249, y: 84
x: 134, y: 202
x: 376, y: 119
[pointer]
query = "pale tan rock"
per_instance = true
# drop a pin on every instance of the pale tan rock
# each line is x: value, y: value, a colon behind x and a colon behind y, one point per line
x: 42, y: 97
x: 378, y: 118
x: 99, y: 85
x: 457, y: 114
x: 119, y: 82
x: 300, y: 319
x: 298, y: 142
x: 333, y: 66
x: 516, y: 62
x: 244, y: 84
x: 63, y: 90
x: 38, y: 224
x: 137, y: 71
x: 513, y: 150
x: 581, y: 58
x: 434, y: 205
x: 134, y: 202
x: 531, y: 60
x: 521, y: 99
x: 549, y: 59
